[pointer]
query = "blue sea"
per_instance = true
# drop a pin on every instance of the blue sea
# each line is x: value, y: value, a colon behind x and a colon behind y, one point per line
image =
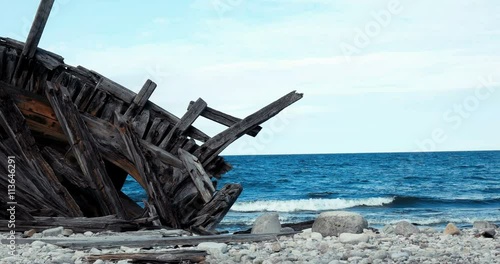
x: 429, y: 189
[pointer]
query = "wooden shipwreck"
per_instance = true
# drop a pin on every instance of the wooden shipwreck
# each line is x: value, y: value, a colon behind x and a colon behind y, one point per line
x: 74, y: 135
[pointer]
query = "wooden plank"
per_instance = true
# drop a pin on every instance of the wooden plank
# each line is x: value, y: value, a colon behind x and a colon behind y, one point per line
x: 141, y: 98
x: 184, y: 123
x: 78, y: 224
x: 214, y: 211
x: 10, y: 64
x: 97, y: 103
x: 225, y: 119
x: 170, y: 256
x: 116, y: 90
x: 198, y: 175
x: 13, y: 122
x: 83, y: 98
x: 3, y: 56
x: 214, y: 146
x: 153, y: 130
x: 158, y: 198
x: 140, y: 123
x: 172, y: 119
x: 110, y: 107
x: 85, y: 150
x: 35, y: 34
x: 113, y: 242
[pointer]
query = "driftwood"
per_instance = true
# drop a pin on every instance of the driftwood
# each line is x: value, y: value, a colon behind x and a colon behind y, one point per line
x: 76, y: 135
x: 146, y: 241
x: 172, y: 256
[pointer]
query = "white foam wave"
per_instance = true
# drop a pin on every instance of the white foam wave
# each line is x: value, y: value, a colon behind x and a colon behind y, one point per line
x: 307, y: 204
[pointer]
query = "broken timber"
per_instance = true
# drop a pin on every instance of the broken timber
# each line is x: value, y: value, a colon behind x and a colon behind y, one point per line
x: 76, y: 135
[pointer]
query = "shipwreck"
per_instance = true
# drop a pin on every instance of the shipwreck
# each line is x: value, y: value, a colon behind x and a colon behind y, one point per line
x: 69, y: 137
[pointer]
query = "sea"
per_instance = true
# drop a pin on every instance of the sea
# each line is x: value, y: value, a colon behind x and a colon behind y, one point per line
x: 427, y: 189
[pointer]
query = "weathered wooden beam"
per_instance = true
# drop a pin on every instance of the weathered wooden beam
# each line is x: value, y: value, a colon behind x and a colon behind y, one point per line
x: 184, y: 123
x: 115, y: 89
x: 34, y: 36
x: 141, y: 98
x: 85, y: 150
x: 13, y: 122
x: 171, y: 256
x: 214, y: 146
x: 158, y: 198
x: 214, y: 211
x: 77, y: 224
x: 200, y: 178
x: 224, y: 119
x: 113, y: 242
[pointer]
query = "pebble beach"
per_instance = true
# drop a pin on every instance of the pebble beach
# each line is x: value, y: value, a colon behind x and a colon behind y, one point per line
x: 417, y: 245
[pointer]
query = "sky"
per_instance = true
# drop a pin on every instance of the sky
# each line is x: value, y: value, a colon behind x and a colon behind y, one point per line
x: 377, y: 76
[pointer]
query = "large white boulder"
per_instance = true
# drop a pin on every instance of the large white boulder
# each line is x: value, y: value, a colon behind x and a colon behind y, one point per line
x: 338, y: 222
x: 268, y: 223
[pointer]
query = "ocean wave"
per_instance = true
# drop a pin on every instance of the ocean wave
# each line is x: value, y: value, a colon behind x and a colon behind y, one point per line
x: 308, y: 204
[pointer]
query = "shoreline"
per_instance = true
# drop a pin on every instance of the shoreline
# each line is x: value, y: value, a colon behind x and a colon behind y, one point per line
x: 429, y: 245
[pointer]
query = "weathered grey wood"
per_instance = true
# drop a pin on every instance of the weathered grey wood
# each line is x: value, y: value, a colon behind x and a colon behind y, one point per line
x: 158, y: 198
x: 171, y: 256
x: 10, y: 64
x: 13, y: 122
x: 113, y: 242
x: 85, y: 150
x: 172, y: 119
x: 97, y: 103
x: 116, y: 90
x: 141, y: 98
x: 110, y: 107
x: 35, y: 34
x: 56, y: 161
x: 140, y: 123
x: 224, y: 119
x: 214, y: 146
x: 3, y: 50
x: 186, y: 121
x: 78, y: 224
x: 83, y: 98
x: 198, y: 175
x: 153, y: 130
x: 214, y: 211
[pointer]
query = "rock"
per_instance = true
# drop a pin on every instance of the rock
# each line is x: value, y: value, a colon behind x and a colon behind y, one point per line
x: 268, y: 223
x: 428, y: 230
x: 287, y: 229
x: 276, y: 247
x: 399, y: 255
x: 53, y: 231
x: 67, y: 232
x: 488, y: 233
x: 38, y: 244
x: 451, y: 229
x: 29, y: 233
x: 335, y: 223
x: 316, y: 236
x: 484, y: 225
x: 388, y: 229
x: 88, y: 233
x: 405, y: 228
x: 380, y: 254
x: 353, y: 238
x: 99, y: 261
x: 213, y: 248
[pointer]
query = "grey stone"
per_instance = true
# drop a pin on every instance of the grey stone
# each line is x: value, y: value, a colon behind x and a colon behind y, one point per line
x: 268, y: 223
x: 53, y: 231
x: 484, y: 225
x: 489, y: 233
x: 338, y: 222
x: 405, y: 228
x: 388, y: 229
x: 287, y: 229
x: 353, y: 238
x: 67, y: 232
